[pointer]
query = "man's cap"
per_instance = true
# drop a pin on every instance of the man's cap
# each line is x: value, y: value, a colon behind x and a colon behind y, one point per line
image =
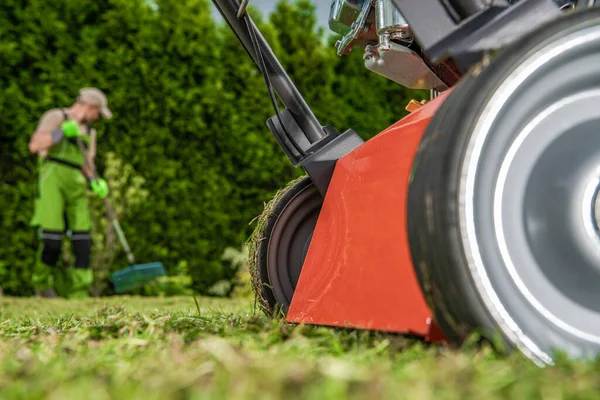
x: 97, y: 98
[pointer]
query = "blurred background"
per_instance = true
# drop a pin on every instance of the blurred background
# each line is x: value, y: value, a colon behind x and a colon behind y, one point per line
x: 187, y: 154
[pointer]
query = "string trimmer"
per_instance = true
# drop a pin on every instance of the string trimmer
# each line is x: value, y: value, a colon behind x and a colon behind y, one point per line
x: 135, y: 275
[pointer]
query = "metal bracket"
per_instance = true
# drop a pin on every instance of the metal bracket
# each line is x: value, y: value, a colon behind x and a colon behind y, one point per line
x: 321, y: 157
x: 401, y: 65
x: 294, y: 130
x: 357, y: 26
x: 320, y: 164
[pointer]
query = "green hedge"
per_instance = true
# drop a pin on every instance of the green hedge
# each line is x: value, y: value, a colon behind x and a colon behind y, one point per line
x: 189, y: 117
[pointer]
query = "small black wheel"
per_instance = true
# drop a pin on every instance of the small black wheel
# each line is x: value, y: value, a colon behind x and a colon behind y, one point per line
x: 503, y: 205
x: 280, y: 242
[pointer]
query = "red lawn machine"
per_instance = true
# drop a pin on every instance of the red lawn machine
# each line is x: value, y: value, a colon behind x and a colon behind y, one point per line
x: 478, y: 212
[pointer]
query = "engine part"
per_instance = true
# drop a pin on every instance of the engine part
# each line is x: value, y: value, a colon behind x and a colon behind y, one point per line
x: 401, y: 65
x: 343, y: 14
x: 363, y: 25
x: 382, y: 56
x: 362, y: 30
x: 390, y: 21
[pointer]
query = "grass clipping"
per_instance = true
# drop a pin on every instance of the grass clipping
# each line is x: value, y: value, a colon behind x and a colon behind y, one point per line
x: 257, y: 237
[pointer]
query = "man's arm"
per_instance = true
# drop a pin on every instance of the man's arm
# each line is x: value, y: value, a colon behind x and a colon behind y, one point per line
x: 43, y: 139
x: 52, y: 128
x: 40, y: 141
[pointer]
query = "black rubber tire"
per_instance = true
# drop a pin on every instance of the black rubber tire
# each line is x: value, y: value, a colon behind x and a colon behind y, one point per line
x: 288, y: 223
x: 438, y: 251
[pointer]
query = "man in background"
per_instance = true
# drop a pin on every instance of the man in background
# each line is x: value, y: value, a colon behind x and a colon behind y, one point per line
x: 62, y: 205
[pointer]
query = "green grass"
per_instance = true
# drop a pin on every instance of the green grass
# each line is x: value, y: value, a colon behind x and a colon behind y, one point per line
x: 134, y: 348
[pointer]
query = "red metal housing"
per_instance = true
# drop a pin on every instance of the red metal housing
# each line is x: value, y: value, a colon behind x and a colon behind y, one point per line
x: 358, y: 272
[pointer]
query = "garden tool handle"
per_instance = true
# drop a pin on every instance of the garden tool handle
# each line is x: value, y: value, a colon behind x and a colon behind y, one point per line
x: 88, y: 161
x: 120, y: 233
x: 109, y: 210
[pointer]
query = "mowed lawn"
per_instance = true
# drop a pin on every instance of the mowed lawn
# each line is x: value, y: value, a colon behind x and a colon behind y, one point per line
x: 171, y: 348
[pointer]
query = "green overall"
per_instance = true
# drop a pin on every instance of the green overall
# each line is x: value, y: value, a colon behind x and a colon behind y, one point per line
x: 62, y: 205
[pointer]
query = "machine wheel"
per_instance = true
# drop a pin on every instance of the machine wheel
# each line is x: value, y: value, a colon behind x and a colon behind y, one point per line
x: 280, y: 243
x: 504, y: 204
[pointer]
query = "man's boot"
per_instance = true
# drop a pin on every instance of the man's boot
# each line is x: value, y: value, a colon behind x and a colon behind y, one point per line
x: 81, y: 282
x: 47, y: 293
x: 62, y: 282
x: 42, y: 278
x: 43, y: 281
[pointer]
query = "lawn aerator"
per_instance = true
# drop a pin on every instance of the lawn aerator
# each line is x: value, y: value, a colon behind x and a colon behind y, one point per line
x: 478, y: 212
